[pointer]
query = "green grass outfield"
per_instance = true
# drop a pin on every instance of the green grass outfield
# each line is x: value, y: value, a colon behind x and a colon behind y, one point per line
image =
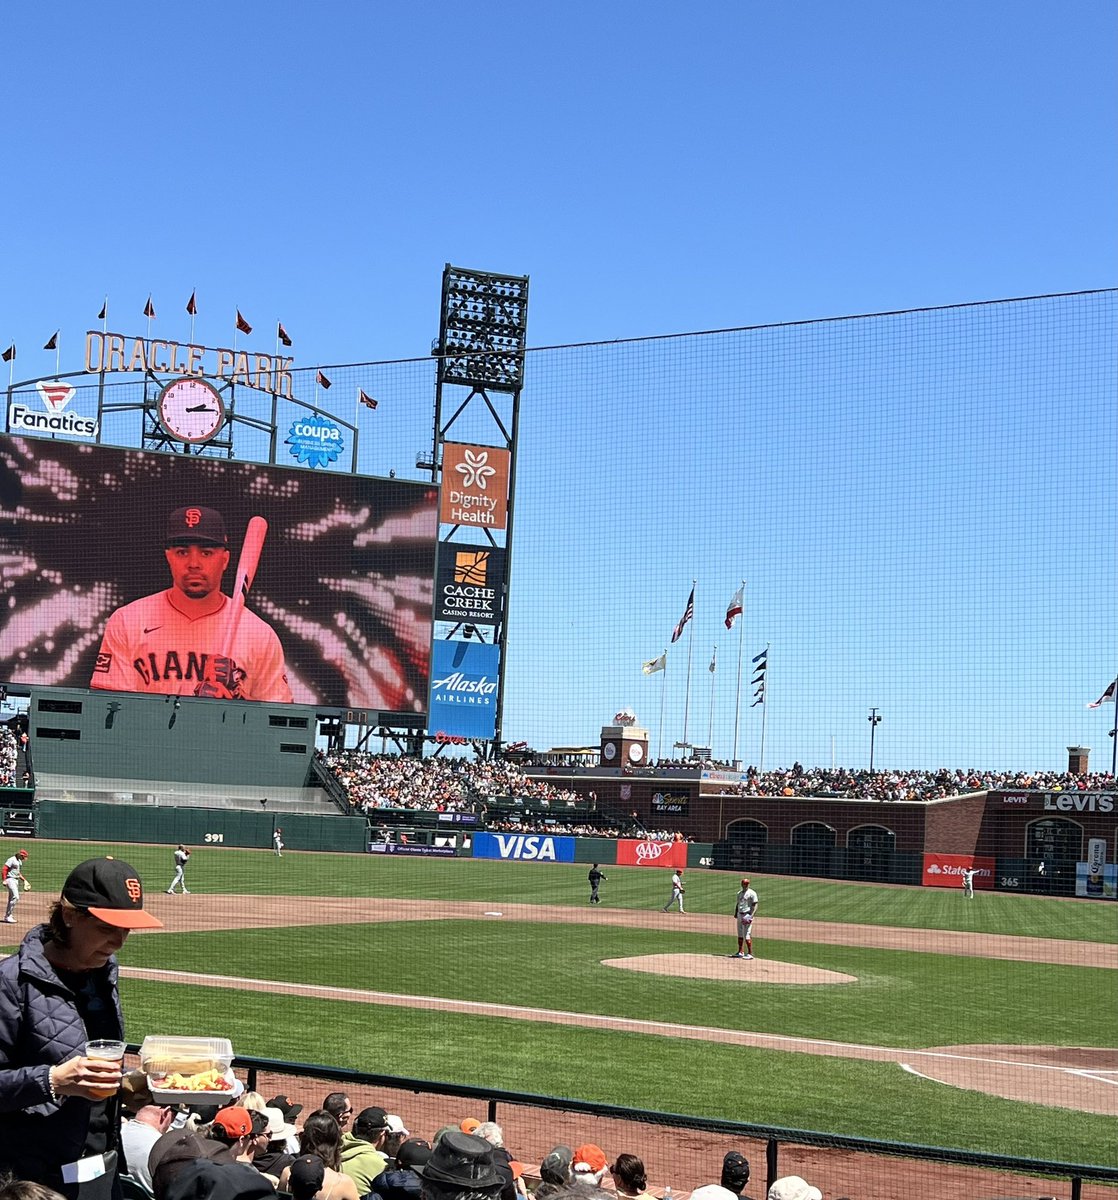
x: 901, y: 998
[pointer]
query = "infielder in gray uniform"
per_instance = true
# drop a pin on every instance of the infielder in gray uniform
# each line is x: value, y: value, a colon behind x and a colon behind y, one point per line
x: 13, y: 876
x: 677, y: 891
x: 744, y: 908
x: 181, y: 855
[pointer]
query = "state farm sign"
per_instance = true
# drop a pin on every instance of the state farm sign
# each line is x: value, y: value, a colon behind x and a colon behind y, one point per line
x: 946, y: 870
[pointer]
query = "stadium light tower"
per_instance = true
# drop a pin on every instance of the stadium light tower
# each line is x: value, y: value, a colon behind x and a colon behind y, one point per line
x: 875, y: 721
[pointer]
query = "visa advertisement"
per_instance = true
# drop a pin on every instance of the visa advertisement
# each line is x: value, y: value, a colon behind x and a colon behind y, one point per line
x: 946, y: 871
x: 631, y: 853
x: 463, y: 696
x: 524, y: 847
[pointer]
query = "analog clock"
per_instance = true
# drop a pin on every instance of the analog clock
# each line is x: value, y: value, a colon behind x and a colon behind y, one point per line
x: 609, y: 751
x: 636, y: 752
x: 191, y: 410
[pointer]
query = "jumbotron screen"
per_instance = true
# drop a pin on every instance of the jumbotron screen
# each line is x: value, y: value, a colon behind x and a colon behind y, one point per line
x: 119, y: 567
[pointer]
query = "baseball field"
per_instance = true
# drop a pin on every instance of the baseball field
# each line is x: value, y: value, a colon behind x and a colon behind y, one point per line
x: 905, y: 1014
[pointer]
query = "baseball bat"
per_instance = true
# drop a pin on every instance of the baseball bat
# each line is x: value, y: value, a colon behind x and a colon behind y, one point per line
x: 251, y: 550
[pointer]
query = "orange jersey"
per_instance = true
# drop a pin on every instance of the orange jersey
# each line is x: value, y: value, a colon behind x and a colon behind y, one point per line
x: 151, y: 645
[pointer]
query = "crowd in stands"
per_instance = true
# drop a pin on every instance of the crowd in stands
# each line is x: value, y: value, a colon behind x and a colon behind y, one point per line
x: 390, y: 781
x: 436, y: 784
x: 254, y: 1149
x: 9, y: 753
x: 907, y: 785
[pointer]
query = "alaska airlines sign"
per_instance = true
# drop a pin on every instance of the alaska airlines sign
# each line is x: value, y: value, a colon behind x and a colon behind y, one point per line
x: 108, y: 353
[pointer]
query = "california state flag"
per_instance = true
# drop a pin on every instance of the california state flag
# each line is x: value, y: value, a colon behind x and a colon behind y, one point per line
x: 735, y: 609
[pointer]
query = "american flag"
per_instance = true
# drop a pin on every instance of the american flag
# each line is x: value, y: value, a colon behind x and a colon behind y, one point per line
x: 688, y: 613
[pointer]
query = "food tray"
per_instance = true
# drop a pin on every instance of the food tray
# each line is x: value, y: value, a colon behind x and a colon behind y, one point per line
x: 197, y: 1099
x: 160, y: 1055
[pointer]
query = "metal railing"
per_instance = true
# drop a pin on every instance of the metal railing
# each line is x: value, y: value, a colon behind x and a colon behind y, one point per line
x: 775, y: 1138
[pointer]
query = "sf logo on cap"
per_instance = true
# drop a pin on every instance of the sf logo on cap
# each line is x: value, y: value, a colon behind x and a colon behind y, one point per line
x: 135, y: 890
x: 193, y: 517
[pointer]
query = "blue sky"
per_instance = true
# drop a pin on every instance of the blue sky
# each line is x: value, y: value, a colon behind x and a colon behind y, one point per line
x: 653, y: 170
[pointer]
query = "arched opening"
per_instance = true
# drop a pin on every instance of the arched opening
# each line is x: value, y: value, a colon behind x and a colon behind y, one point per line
x: 745, y: 845
x: 813, y: 843
x: 870, y: 851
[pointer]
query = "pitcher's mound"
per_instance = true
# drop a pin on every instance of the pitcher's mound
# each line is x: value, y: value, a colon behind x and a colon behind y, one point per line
x: 733, y: 970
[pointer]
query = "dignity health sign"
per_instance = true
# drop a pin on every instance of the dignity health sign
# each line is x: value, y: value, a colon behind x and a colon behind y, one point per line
x: 463, y: 693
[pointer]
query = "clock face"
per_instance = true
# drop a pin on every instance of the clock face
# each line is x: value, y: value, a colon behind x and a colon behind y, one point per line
x: 191, y: 410
x: 609, y: 751
x: 636, y: 752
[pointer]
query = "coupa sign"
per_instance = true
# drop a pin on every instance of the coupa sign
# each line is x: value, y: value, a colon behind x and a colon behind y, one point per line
x: 524, y: 847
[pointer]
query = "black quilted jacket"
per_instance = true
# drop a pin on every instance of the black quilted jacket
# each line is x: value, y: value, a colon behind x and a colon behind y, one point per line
x: 40, y: 1026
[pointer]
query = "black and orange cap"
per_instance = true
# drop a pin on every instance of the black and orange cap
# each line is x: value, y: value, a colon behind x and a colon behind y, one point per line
x: 110, y: 890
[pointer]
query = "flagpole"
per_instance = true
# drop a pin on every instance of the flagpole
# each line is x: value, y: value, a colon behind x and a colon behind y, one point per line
x: 660, y: 731
x: 764, y: 710
x: 57, y: 354
x: 737, y: 693
x: 105, y: 315
x: 687, y: 690
x: 193, y: 305
x: 710, y: 718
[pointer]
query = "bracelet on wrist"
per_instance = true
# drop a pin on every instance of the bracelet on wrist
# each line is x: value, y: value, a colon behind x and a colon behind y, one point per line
x: 50, y: 1084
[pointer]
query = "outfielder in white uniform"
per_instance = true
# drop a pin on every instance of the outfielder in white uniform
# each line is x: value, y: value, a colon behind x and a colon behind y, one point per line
x: 277, y: 841
x: 175, y: 642
x: 744, y: 908
x: 181, y: 855
x: 677, y: 891
x: 968, y: 882
x: 13, y: 874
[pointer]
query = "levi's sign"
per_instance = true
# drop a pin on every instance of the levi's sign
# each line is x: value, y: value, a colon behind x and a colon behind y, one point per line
x: 524, y: 847
x: 1078, y: 802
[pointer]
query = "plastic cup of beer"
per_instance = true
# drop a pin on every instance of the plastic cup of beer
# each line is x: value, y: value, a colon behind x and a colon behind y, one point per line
x: 111, y: 1051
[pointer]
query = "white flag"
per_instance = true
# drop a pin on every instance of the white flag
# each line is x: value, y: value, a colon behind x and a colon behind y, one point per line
x: 655, y: 664
x: 1107, y: 697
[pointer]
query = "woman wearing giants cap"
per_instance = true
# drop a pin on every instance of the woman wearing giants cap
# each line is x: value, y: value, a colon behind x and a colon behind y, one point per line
x: 59, y: 1111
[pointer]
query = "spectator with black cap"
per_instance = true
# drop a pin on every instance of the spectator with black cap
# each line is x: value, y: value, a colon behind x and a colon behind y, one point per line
x: 555, y: 1172
x: 174, y: 1151
x: 58, y: 991
x: 401, y: 1181
x: 361, y: 1156
x: 735, y: 1174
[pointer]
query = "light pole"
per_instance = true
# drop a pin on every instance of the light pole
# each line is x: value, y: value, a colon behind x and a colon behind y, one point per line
x: 875, y: 721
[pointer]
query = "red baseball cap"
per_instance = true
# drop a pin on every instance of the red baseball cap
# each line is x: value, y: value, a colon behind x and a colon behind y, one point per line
x: 235, y: 1120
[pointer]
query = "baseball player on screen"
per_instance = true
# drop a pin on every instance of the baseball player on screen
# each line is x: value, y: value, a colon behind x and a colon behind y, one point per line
x: 192, y: 639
